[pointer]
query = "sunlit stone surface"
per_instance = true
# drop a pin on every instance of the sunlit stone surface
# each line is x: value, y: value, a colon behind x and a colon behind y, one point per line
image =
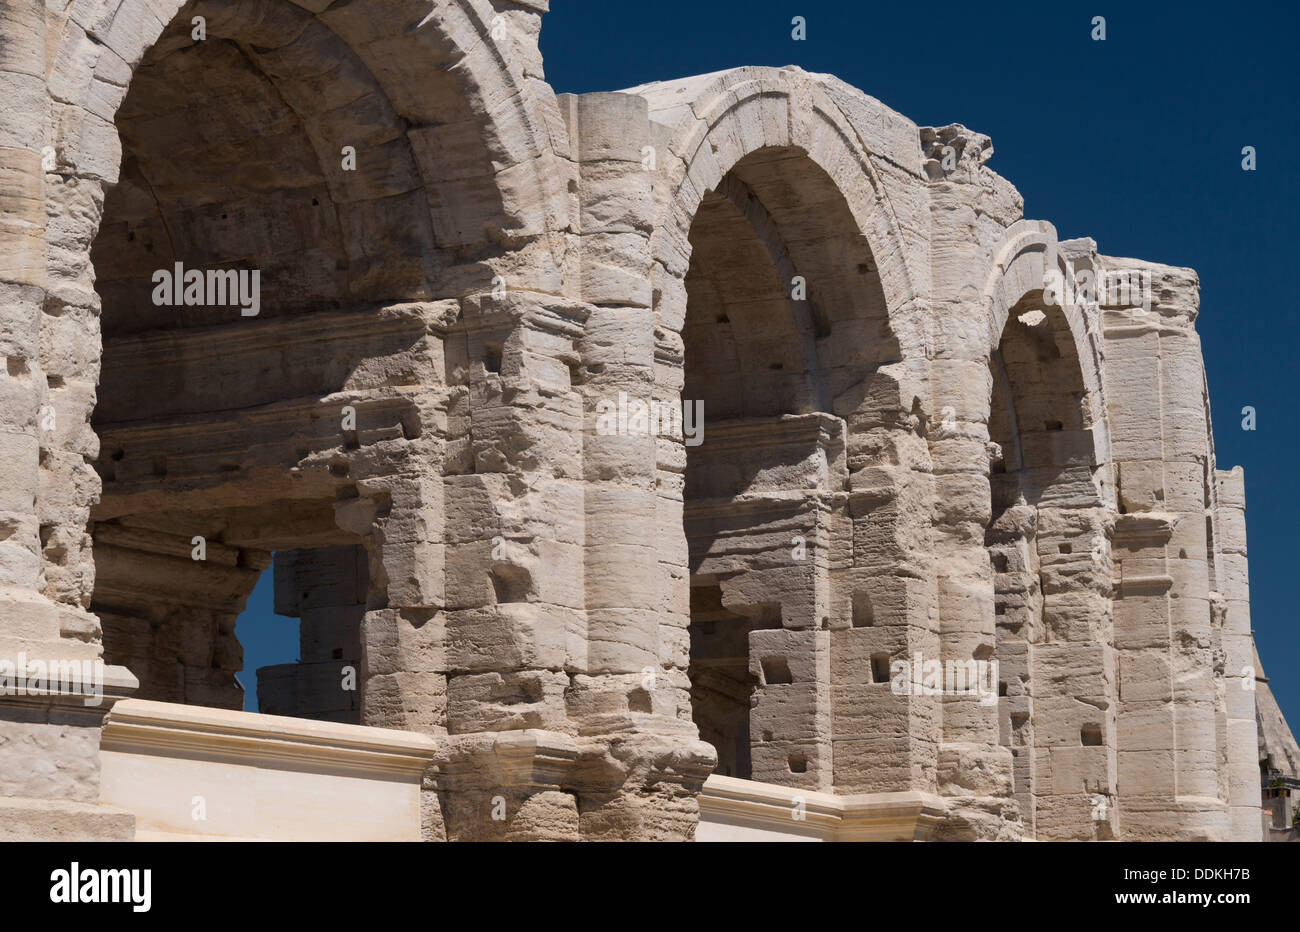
x: 920, y: 431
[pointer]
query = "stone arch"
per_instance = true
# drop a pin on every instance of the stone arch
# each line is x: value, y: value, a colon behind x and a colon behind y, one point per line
x: 1027, y: 252
x: 1048, y: 540
x: 749, y: 162
x: 466, y: 97
x: 863, y: 153
x: 714, y: 122
x: 212, y: 430
x: 785, y: 312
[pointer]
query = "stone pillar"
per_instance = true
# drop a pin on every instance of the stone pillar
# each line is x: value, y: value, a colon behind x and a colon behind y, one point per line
x: 1233, y: 582
x: 28, y: 617
x: 43, y: 592
x: 1073, y: 674
x: 512, y: 628
x: 883, y: 605
x: 966, y: 606
x: 765, y: 547
x: 1168, y: 744
x: 618, y: 357
x: 974, y: 769
x: 632, y: 691
x: 1019, y: 613
x: 1186, y: 455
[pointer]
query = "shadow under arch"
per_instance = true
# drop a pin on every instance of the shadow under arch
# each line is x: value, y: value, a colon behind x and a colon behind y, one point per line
x: 1048, y: 542
x: 785, y: 308
x: 361, y: 160
x: 766, y: 175
x: 786, y: 322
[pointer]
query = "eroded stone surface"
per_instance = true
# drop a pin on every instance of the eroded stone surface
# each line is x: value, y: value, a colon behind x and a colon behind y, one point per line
x: 472, y: 294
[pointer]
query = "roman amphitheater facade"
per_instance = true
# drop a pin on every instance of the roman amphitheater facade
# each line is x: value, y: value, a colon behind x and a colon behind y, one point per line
x: 931, y: 431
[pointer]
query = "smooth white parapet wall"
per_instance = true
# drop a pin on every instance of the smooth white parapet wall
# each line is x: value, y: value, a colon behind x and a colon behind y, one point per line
x: 191, y: 773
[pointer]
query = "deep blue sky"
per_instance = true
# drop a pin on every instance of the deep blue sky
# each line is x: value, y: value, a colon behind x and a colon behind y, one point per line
x: 1135, y: 141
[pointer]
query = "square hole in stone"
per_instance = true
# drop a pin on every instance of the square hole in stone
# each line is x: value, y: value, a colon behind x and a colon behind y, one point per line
x: 776, y: 671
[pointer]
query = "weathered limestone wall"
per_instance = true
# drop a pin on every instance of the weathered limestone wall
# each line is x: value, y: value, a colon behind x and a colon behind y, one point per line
x: 1245, y: 706
x: 761, y: 485
x: 912, y: 450
x: 1181, y: 614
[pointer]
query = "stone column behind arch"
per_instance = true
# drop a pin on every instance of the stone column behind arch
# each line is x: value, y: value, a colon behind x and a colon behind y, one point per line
x: 480, y: 622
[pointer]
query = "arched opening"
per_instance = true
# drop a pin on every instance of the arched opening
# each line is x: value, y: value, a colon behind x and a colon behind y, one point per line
x: 786, y: 323
x: 1047, y: 548
x: 272, y: 214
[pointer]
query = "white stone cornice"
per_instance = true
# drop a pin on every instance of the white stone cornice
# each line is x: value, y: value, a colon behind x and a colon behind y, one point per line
x: 740, y: 810
x: 143, y: 727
